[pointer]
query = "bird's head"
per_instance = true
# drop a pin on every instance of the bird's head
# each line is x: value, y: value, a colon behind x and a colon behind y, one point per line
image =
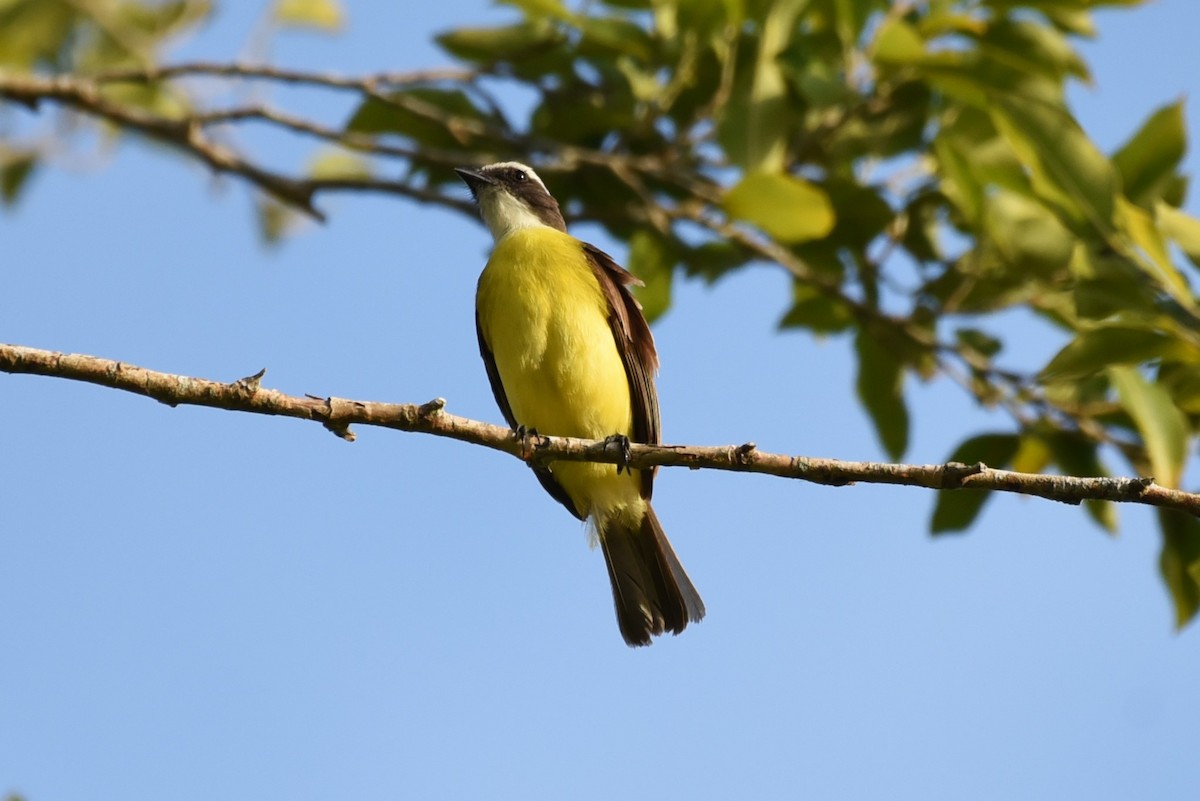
x: 511, y: 197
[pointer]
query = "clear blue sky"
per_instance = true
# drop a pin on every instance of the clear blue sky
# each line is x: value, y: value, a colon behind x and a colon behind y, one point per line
x: 199, y: 604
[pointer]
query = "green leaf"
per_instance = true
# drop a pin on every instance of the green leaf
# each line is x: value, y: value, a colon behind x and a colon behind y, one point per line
x: 755, y: 123
x: 583, y: 115
x: 892, y: 128
x: 985, y: 345
x: 815, y: 311
x: 163, y: 99
x: 1032, y: 48
x: 860, y: 213
x: 34, y: 33
x: 923, y: 223
x: 652, y: 260
x: 1183, y: 382
x: 985, y: 155
x: 705, y: 18
x: 1026, y: 234
x: 1066, y: 167
x: 1151, y: 157
x: 443, y: 118
x: 504, y: 43
x: 958, y: 179
x: 1179, y: 562
x: 880, y: 386
x: 821, y: 85
x: 1108, y: 284
x: 126, y: 33
x: 609, y: 37
x: 976, y: 77
x: 323, y: 15
x: 1093, y: 351
x: 15, y: 171
x: 942, y: 19
x: 1141, y: 228
x: 1163, y: 427
x: 712, y: 260
x: 787, y: 208
x: 955, y: 510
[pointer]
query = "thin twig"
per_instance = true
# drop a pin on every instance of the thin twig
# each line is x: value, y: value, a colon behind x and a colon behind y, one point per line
x: 364, y: 84
x: 187, y: 133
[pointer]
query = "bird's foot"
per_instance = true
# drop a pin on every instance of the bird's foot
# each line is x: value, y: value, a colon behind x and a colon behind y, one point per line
x: 624, y: 452
x: 530, y: 439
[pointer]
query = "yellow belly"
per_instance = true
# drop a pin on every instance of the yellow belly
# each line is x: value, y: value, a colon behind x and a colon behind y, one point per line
x: 545, y: 319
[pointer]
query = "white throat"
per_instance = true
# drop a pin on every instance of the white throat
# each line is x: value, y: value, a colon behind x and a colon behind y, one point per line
x: 504, y: 214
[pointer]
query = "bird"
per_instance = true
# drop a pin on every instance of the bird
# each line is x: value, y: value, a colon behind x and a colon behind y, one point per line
x: 568, y: 352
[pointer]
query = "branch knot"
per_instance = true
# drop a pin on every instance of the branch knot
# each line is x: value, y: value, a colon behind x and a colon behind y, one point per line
x: 953, y: 474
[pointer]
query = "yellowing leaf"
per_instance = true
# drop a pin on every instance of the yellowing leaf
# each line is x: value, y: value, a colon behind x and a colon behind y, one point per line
x: 1032, y: 456
x: 1182, y: 228
x: 275, y: 220
x: 325, y: 15
x: 1027, y: 234
x: 1154, y: 259
x: 789, y: 209
x: 334, y: 163
x: 535, y: 9
x: 898, y: 43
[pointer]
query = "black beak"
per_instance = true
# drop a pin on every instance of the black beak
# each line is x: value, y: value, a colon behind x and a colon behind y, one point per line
x: 474, y: 179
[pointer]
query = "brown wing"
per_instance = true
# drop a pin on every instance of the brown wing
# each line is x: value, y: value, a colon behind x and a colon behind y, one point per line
x: 636, y: 346
x: 544, y: 476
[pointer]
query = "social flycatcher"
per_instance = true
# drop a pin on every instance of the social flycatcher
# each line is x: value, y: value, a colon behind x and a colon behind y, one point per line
x: 568, y: 353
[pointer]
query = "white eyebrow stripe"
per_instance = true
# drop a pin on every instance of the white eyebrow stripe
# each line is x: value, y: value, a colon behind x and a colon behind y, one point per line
x: 500, y: 165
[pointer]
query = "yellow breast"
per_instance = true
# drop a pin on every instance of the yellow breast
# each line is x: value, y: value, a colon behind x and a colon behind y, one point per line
x: 545, y: 319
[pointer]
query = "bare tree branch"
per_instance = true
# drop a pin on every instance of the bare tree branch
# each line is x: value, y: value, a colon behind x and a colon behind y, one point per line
x: 187, y: 133
x: 338, y: 414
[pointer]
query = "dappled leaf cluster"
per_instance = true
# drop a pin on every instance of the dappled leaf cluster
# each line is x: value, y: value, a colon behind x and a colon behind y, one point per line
x: 914, y: 167
x: 61, y: 36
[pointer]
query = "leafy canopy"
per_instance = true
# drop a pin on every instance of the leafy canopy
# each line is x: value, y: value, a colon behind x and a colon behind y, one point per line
x: 915, y: 167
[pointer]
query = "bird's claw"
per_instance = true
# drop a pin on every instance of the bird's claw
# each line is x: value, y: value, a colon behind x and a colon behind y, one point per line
x: 530, y: 439
x: 624, y: 452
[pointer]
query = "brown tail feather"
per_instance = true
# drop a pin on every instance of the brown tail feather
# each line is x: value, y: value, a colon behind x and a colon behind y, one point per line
x: 651, y: 590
